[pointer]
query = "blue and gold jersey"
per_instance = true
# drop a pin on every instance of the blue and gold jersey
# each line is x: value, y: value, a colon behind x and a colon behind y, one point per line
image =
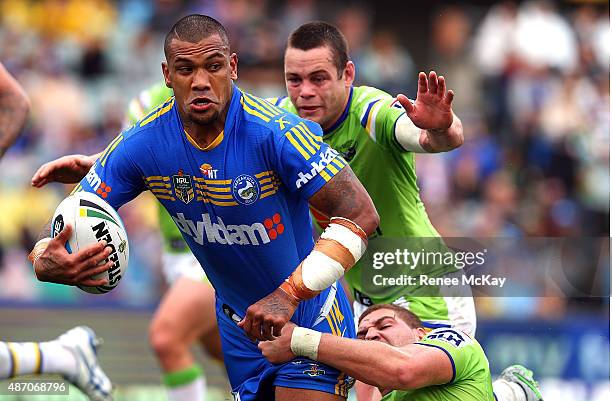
x: 241, y: 203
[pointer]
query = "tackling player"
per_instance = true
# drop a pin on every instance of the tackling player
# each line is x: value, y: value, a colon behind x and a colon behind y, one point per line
x: 14, y: 107
x: 226, y: 166
x: 402, y: 360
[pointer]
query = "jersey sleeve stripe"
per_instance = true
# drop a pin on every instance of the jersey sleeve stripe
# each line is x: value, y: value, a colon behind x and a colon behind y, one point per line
x: 338, y: 161
x: 253, y: 112
x: 258, y: 106
x: 332, y: 169
x: 314, y: 140
x: 267, y: 105
x: 158, y: 113
x: 110, y: 150
x: 297, y: 146
x: 306, y: 140
x: 110, y: 145
x: 371, y: 124
x: 325, y: 176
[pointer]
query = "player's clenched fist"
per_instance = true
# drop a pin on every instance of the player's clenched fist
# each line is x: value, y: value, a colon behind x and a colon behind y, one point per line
x: 56, y: 265
x: 265, y: 319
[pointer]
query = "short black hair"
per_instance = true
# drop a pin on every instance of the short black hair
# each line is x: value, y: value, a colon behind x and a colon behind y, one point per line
x: 317, y: 34
x: 404, y: 314
x: 194, y: 28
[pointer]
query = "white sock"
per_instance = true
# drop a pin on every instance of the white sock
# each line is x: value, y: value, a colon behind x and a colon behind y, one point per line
x: 508, y: 391
x: 194, y: 391
x: 56, y: 358
x: 186, y: 385
x: 19, y: 359
x: 6, y: 361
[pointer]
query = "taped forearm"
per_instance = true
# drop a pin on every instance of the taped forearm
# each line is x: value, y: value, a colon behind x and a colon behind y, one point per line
x: 338, y: 249
x: 408, y: 135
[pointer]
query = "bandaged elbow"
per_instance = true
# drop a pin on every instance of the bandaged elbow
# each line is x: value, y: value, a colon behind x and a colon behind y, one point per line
x: 338, y: 249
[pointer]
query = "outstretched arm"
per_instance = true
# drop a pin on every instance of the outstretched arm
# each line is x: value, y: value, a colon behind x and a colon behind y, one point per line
x: 388, y: 368
x: 14, y: 107
x: 438, y: 128
x: 67, y: 169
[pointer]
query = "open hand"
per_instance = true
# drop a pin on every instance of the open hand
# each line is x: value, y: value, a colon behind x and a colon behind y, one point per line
x: 432, y: 107
x: 67, y: 170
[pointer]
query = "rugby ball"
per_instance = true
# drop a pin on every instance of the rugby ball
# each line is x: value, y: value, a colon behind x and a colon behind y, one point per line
x: 93, y: 220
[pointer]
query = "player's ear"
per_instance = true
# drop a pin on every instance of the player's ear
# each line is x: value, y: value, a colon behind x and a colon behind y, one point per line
x: 420, y: 333
x: 234, y: 66
x: 166, y: 72
x: 349, y: 73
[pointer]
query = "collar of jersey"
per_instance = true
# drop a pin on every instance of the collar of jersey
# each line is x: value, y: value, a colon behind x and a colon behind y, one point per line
x: 342, y: 117
x: 210, y: 146
x: 229, y: 122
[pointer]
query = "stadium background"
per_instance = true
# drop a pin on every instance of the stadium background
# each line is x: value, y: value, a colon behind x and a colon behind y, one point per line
x: 532, y: 89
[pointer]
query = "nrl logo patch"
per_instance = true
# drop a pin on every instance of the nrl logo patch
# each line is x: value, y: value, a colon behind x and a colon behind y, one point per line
x: 245, y: 189
x: 183, y: 187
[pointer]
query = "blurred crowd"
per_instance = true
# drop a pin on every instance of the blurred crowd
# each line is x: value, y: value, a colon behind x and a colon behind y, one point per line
x: 531, y: 82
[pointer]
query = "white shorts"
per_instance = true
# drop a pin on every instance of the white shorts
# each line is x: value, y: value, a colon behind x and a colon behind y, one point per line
x: 461, y: 314
x: 177, y: 265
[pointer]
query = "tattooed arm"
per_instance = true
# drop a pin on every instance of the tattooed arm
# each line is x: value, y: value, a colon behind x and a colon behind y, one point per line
x: 14, y: 107
x: 354, y: 218
x: 344, y: 196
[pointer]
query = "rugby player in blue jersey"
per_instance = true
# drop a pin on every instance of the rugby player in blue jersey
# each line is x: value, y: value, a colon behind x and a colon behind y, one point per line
x: 236, y: 174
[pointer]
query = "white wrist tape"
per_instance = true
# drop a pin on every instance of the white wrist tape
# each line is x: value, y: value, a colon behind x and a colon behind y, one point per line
x: 408, y: 135
x: 305, y: 342
x: 319, y: 271
x: 347, y: 238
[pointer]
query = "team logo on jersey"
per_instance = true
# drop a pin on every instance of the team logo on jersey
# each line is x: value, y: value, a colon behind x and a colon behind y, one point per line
x: 450, y: 336
x: 208, y: 171
x: 183, y: 187
x: 348, y: 150
x: 245, y: 189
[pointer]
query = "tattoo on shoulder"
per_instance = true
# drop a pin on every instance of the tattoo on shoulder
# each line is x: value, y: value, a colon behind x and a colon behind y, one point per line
x: 339, y: 195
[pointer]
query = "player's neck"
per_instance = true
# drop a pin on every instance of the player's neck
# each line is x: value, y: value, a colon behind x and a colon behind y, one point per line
x: 203, y: 136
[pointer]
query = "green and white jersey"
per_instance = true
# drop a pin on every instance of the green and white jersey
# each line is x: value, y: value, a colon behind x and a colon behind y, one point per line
x: 471, y: 375
x: 365, y: 136
x: 140, y: 106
